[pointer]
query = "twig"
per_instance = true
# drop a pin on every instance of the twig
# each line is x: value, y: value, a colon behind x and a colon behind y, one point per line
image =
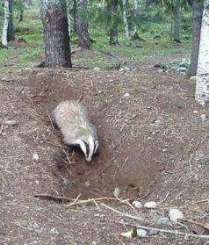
x: 79, y: 202
x: 175, y: 232
x: 121, y: 213
x: 51, y: 121
x: 201, y: 201
x: 54, y: 198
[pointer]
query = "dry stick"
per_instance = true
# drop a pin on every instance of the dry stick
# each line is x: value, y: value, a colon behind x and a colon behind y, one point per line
x: 122, y: 214
x: 175, y: 232
x: 54, y: 198
x: 201, y: 201
x: 90, y: 200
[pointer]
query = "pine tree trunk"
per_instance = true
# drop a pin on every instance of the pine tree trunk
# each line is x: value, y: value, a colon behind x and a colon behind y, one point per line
x: 56, y: 36
x: 134, y: 34
x: 82, y: 24
x: 202, y: 81
x: 177, y: 22
x: 21, y: 14
x: 11, y: 32
x: 6, y: 24
x: 125, y: 20
x: 197, y: 8
x: 112, y: 9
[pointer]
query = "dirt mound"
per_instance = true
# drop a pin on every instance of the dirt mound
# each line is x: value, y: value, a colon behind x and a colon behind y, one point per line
x: 126, y: 159
x: 143, y: 125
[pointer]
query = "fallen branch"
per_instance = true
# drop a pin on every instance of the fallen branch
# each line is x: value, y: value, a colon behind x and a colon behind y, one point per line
x: 174, y: 232
x: 54, y: 198
x: 121, y: 213
x: 201, y: 201
x: 79, y: 202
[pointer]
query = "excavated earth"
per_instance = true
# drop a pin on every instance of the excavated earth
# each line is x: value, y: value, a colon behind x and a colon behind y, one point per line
x: 153, y: 146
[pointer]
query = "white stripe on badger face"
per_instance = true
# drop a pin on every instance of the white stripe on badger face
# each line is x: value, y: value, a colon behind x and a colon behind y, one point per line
x: 91, y: 148
x: 82, y: 146
x: 96, y: 146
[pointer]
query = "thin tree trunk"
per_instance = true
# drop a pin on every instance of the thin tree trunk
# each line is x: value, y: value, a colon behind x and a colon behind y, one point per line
x: 125, y: 20
x: 202, y: 82
x: 112, y: 9
x: 6, y: 24
x: 176, y: 21
x: 134, y: 34
x: 197, y: 8
x: 82, y: 24
x: 21, y: 14
x: 11, y: 32
x: 56, y: 36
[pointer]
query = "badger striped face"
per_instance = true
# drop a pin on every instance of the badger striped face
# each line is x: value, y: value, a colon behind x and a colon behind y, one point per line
x: 89, y: 147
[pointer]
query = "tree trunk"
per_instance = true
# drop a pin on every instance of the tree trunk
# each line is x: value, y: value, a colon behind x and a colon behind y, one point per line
x: 11, y: 32
x: 21, y: 14
x: 112, y: 8
x: 6, y: 24
x: 197, y: 8
x: 56, y: 36
x: 202, y: 81
x: 82, y: 24
x: 134, y: 34
x: 125, y: 20
x: 176, y: 22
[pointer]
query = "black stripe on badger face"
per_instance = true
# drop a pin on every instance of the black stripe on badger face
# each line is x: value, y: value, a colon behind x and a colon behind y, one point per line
x: 87, y: 148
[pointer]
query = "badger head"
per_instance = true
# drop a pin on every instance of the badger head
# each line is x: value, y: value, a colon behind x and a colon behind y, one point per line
x: 89, y: 146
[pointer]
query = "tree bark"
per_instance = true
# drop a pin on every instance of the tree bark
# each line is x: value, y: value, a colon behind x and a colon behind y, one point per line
x: 202, y: 81
x: 82, y: 24
x: 6, y: 24
x: 177, y: 21
x: 134, y: 34
x: 56, y: 36
x: 11, y: 32
x: 112, y: 8
x: 197, y: 8
x: 125, y: 20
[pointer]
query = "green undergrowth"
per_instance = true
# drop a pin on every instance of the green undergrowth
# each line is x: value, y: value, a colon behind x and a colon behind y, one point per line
x: 154, y: 42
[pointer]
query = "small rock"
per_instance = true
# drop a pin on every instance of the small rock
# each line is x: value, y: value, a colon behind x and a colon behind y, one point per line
x: 193, y: 78
x: 153, y: 232
x: 116, y: 192
x: 195, y: 112
x: 87, y: 183
x: 163, y: 221
x: 203, y: 117
x: 141, y: 233
x: 35, y: 156
x: 137, y: 204
x: 175, y: 214
x: 10, y: 122
x: 54, y: 231
x: 150, y: 205
x: 129, y: 234
x: 126, y: 95
x: 96, y: 69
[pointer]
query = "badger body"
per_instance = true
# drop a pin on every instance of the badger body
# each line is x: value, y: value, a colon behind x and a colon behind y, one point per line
x: 71, y: 118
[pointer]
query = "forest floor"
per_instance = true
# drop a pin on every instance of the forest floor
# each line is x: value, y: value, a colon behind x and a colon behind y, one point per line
x: 153, y: 147
x: 153, y: 143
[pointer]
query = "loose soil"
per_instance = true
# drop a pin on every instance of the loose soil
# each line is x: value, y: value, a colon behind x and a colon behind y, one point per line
x: 153, y: 144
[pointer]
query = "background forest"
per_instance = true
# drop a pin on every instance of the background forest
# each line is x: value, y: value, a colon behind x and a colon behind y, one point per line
x: 153, y: 28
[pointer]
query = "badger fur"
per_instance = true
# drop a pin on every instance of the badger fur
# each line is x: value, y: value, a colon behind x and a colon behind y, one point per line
x: 71, y: 118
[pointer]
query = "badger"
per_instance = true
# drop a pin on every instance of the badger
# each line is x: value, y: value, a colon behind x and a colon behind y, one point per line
x: 71, y: 118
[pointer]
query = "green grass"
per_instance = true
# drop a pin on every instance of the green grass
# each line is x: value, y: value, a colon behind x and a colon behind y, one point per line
x: 31, y: 31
